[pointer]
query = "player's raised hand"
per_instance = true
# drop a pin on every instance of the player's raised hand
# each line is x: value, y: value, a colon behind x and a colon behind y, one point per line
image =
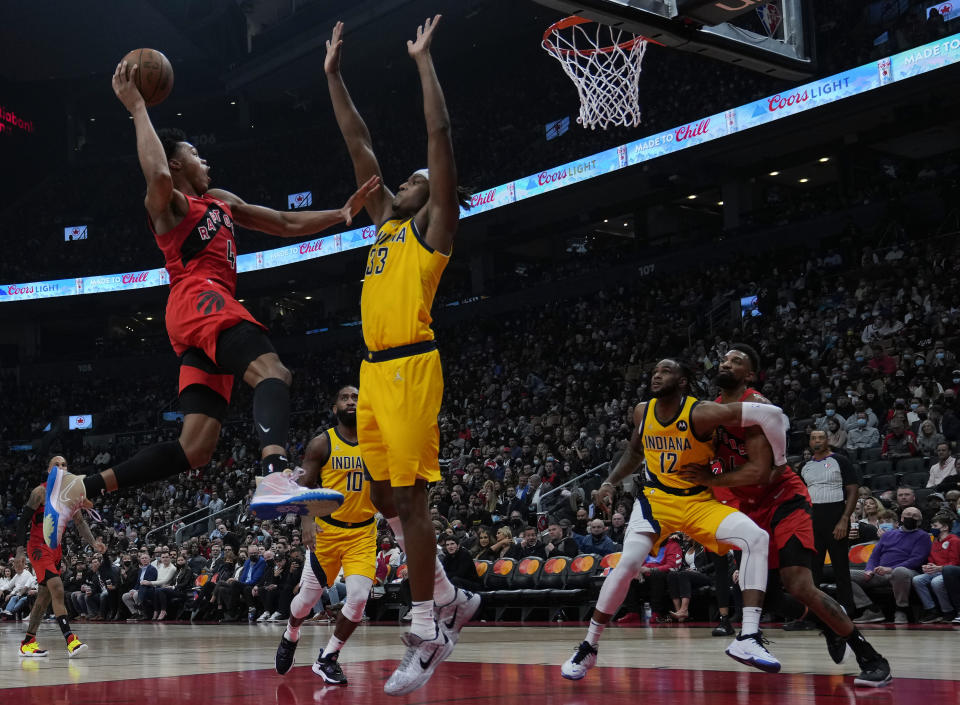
x: 356, y: 201
x: 421, y: 47
x: 125, y: 87
x: 331, y: 64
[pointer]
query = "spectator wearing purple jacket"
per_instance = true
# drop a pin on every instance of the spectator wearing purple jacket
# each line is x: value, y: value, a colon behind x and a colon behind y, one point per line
x: 897, y: 557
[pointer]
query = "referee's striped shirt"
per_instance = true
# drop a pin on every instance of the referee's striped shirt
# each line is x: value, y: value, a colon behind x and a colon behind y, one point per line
x: 827, y: 478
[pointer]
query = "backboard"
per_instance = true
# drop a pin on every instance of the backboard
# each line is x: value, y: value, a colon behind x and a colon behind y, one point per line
x: 736, y: 31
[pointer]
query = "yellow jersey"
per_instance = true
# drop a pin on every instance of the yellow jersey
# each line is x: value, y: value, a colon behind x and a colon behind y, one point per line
x: 346, y: 473
x: 668, y: 446
x: 398, y: 288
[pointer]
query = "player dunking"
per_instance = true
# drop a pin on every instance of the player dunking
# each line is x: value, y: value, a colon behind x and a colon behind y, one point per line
x: 671, y: 431
x: 215, y: 337
x: 346, y: 538
x: 46, y: 566
x: 779, y: 503
x: 400, y: 375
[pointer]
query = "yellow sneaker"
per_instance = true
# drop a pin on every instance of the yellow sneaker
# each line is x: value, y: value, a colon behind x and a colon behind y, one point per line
x: 75, y: 646
x: 31, y: 649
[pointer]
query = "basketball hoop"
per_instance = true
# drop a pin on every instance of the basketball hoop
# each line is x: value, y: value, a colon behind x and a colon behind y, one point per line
x: 603, y: 65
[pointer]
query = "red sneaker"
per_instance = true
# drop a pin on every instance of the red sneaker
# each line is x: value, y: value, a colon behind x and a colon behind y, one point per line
x: 630, y: 618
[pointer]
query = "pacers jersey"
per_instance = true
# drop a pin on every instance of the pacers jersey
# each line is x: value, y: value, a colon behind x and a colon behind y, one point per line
x: 346, y: 473
x: 401, y: 280
x: 668, y: 446
x: 203, y: 245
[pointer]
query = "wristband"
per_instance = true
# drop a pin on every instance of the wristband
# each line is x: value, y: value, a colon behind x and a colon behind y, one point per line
x: 607, y: 482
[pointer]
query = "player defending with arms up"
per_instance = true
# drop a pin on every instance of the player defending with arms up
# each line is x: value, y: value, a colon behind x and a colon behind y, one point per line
x: 46, y: 566
x: 670, y: 431
x: 346, y: 538
x: 215, y: 337
x: 400, y: 375
x: 778, y: 501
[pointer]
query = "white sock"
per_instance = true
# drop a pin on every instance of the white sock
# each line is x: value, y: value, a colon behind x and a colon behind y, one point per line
x: 751, y: 620
x: 397, y: 529
x: 291, y: 633
x: 423, y: 624
x: 443, y: 590
x: 594, y: 632
x: 333, y: 646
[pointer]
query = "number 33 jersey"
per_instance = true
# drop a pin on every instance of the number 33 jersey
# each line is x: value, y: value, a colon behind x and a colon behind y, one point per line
x: 399, y: 285
x: 671, y: 444
x: 346, y: 473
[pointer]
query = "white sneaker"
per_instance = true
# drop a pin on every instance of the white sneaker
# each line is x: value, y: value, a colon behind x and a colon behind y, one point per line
x: 278, y: 493
x: 264, y: 617
x: 275, y: 617
x: 751, y: 650
x: 583, y: 659
x: 418, y: 664
x: 453, y: 616
x: 870, y: 617
x: 64, y: 497
x: 901, y: 617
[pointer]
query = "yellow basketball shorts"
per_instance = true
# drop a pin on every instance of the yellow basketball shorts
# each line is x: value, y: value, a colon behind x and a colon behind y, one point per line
x: 660, y: 513
x: 353, y: 549
x: 397, y: 418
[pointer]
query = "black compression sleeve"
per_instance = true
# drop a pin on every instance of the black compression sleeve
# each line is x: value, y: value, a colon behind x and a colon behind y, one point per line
x: 23, y: 524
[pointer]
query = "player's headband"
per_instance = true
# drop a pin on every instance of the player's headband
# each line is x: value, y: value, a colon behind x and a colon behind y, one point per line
x: 425, y: 173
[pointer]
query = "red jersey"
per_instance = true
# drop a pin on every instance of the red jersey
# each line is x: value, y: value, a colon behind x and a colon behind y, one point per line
x: 203, y: 245
x: 36, y: 547
x: 732, y: 453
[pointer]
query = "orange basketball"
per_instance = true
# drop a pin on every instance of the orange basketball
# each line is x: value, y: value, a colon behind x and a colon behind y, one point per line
x: 154, y: 77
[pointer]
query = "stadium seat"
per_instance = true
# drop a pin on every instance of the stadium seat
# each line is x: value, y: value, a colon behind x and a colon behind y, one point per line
x: 483, y: 567
x: 870, y: 454
x: 911, y: 466
x: 881, y: 483
x: 501, y: 574
x: 859, y: 554
x: 609, y: 562
x: 878, y: 467
x: 916, y: 480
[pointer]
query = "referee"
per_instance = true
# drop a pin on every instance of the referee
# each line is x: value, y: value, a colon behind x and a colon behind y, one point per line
x: 833, y: 486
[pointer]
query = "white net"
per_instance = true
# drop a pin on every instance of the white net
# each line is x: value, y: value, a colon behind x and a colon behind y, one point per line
x: 604, y: 64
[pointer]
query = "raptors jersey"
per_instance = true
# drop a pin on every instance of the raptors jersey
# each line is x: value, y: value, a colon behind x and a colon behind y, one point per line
x: 670, y: 445
x: 202, y: 246
x: 37, y: 548
x: 346, y: 473
x: 732, y: 453
x: 401, y: 280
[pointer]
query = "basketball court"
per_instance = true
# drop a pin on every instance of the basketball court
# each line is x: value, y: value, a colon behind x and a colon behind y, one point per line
x: 181, y: 663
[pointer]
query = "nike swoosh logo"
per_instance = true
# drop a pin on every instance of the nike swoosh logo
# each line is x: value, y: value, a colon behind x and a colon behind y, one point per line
x: 265, y: 430
x: 450, y: 622
x: 426, y: 664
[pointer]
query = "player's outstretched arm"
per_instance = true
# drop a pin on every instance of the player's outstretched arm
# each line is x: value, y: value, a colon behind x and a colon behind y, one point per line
x: 630, y: 460
x: 153, y: 160
x: 706, y: 416
x: 443, y: 209
x: 297, y: 223
x: 354, y: 130
x: 84, y: 530
x: 35, y: 500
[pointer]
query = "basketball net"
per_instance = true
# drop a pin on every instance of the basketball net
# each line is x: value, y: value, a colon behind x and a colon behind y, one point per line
x: 604, y: 64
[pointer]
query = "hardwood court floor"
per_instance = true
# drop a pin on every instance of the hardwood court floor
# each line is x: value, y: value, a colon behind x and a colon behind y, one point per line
x: 158, y: 664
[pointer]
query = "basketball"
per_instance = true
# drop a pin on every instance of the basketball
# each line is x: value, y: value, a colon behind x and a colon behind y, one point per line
x: 154, y: 76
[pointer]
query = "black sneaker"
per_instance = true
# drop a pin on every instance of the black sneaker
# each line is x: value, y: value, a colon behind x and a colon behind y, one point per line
x: 931, y: 617
x: 724, y: 628
x: 836, y: 645
x: 285, y: 652
x: 799, y: 625
x: 874, y: 674
x: 329, y: 669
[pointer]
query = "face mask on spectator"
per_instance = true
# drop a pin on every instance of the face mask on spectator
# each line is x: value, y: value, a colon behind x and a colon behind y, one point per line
x: 909, y: 523
x: 941, y: 355
x: 918, y: 362
x: 914, y: 406
x: 861, y: 422
x: 831, y: 412
x: 885, y: 527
